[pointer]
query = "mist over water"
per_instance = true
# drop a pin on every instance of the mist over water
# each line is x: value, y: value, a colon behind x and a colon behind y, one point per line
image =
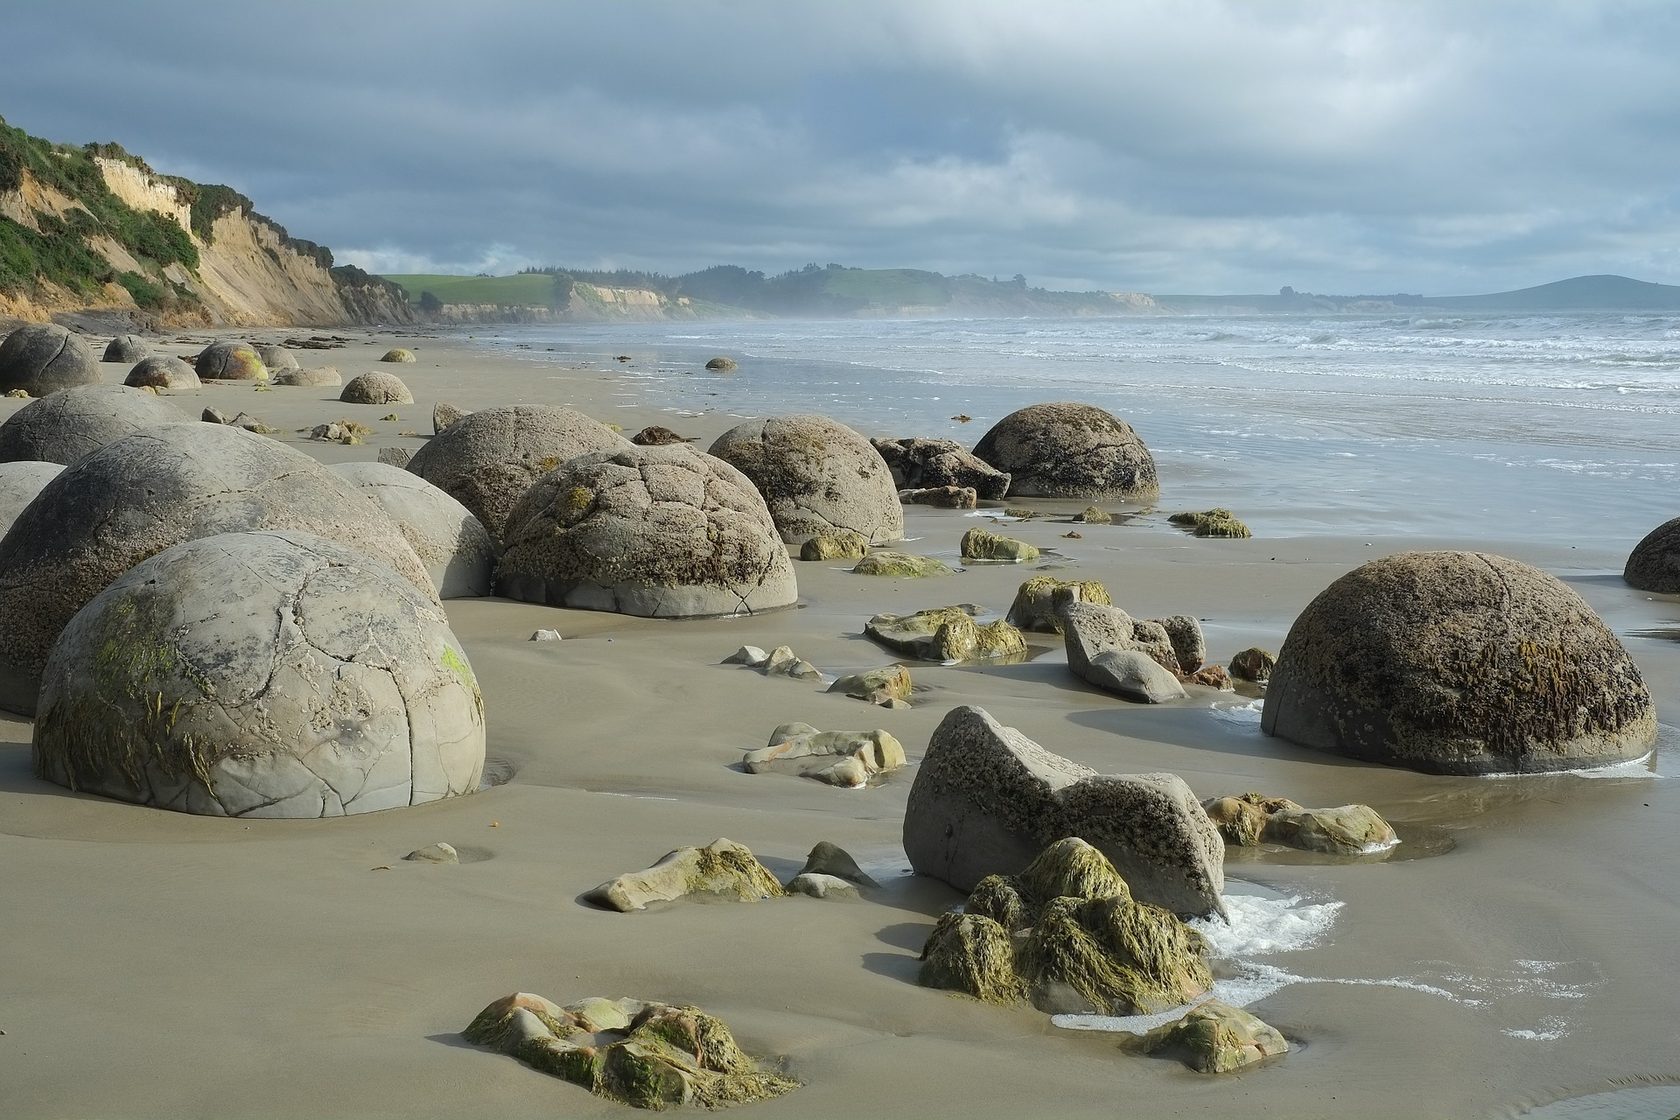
x: 1506, y: 427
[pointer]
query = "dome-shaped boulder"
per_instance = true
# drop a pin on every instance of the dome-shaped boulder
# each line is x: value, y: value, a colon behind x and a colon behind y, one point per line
x: 276, y: 357
x: 324, y: 376
x: 816, y: 476
x: 42, y: 357
x: 230, y: 361
x: 234, y: 675
x: 1068, y: 450
x: 376, y: 388
x: 161, y: 373
x: 398, y: 354
x: 1458, y: 663
x: 20, y: 482
x: 128, y: 348
x: 138, y: 495
x: 654, y: 531
x: 1654, y: 563
x: 69, y: 425
x: 444, y: 534
x: 489, y: 458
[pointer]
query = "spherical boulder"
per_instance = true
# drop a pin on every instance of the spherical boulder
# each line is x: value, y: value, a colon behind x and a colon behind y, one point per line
x: 161, y: 373
x: 653, y: 531
x: 376, y: 388
x: 20, y: 482
x: 70, y: 424
x: 138, y: 495
x: 271, y: 674
x: 128, y: 348
x: 448, y: 539
x: 1654, y: 563
x: 1458, y: 663
x: 276, y: 357
x: 489, y: 458
x: 230, y: 361
x: 398, y: 354
x: 41, y: 357
x: 1069, y: 450
x: 816, y: 476
x: 320, y: 376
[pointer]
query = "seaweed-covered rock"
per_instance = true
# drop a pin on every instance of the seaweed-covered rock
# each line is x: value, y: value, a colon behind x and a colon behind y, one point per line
x: 128, y: 348
x: 138, y: 495
x: 722, y: 868
x: 945, y: 634
x: 40, y: 358
x: 1458, y: 663
x: 978, y: 544
x: 1038, y: 599
x: 397, y: 354
x: 1213, y: 1037
x: 835, y: 544
x: 276, y: 357
x: 319, y: 377
x: 233, y: 675
x: 444, y: 534
x: 20, y: 483
x: 816, y: 475
x: 1211, y: 523
x: 1249, y: 819
x: 376, y: 388
x: 230, y: 361
x: 987, y: 799
x: 71, y: 424
x: 901, y: 565
x: 488, y: 459
x: 922, y: 463
x: 162, y: 372
x: 654, y: 531
x: 878, y: 686
x: 1654, y: 563
x: 973, y: 954
x: 643, y: 1054
x: 1067, y: 450
x: 1253, y: 664
x: 840, y: 758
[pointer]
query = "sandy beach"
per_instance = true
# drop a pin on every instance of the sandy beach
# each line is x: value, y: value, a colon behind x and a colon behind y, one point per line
x: 1516, y: 948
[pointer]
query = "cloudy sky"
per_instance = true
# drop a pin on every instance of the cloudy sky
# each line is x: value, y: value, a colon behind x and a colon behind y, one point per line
x: 1151, y: 145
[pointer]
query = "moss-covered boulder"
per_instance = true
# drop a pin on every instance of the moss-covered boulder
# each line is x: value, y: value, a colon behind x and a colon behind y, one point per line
x: 978, y: 544
x: 397, y: 354
x: 1458, y: 663
x: 162, y: 372
x: 839, y: 758
x: 816, y: 475
x: 885, y: 686
x: 835, y: 544
x: 946, y: 634
x: 41, y: 358
x: 376, y: 388
x: 1038, y: 599
x: 901, y: 565
x: 723, y: 869
x: 1654, y: 563
x: 1211, y: 523
x: 1251, y: 819
x: 1094, y: 516
x: 71, y: 424
x: 230, y: 361
x: 1213, y: 1037
x: 129, y: 348
x: 1070, y: 450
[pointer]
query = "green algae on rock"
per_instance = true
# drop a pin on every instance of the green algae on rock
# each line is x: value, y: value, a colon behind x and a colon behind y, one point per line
x: 722, y: 868
x: 835, y: 544
x: 1211, y: 523
x: 398, y: 354
x: 1039, y: 598
x: 946, y: 634
x: 1250, y: 819
x: 1213, y: 1037
x: 978, y: 544
x: 900, y: 564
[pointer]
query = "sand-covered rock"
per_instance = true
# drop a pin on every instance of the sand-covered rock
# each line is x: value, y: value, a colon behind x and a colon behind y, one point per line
x: 923, y: 463
x: 455, y: 549
x: 234, y: 675
x: 654, y: 531
x: 230, y: 361
x: 979, y: 544
x: 20, y: 483
x: 488, y: 459
x: 1654, y: 563
x: 1249, y: 819
x: 901, y: 565
x: 946, y: 634
x: 723, y: 869
x: 162, y: 372
x: 129, y: 348
x: 1039, y: 598
x: 1069, y: 450
x: 40, y: 358
x: 1458, y: 663
x: 68, y: 425
x: 1213, y: 1037
x: 319, y: 377
x: 987, y: 800
x: 840, y: 758
x: 376, y: 388
x: 816, y: 475
x: 138, y: 495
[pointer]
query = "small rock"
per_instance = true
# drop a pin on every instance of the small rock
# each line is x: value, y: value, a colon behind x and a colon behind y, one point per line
x: 941, y: 497
x: 723, y: 868
x: 891, y: 682
x: 545, y: 636
x: 1020, y: 512
x: 1095, y: 516
x: 655, y: 435
x: 833, y: 860
x: 805, y: 671
x: 209, y: 415
x: 1036, y: 601
x: 1253, y: 664
x: 840, y: 758
x: 945, y: 634
x: 836, y: 544
x: 781, y: 660
x: 396, y: 456
x: 1211, y: 523
x: 721, y: 363
x: 821, y: 886
x: 444, y: 415
x: 1213, y: 676
x: 978, y: 544
x: 1071, y: 535
x: 1249, y: 819
x: 750, y: 656
x: 1133, y: 675
x: 1213, y: 1037
x: 900, y: 564
x: 398, y: 354
x: 435, y: 853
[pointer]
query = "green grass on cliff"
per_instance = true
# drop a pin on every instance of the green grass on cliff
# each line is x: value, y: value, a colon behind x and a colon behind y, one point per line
x: 526, y: 290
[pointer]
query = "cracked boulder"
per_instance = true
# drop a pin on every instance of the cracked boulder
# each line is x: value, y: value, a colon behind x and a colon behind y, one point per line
x: 840, y: 758
x: 138, y: 495
x: 488, y: 459
x: 376, y: 388
x: 987, y: 800
x: 128, y: 348
x: 162, y: 373
x: 70, y: 424
x: 261, y: 675
x: 938, y: 463
x: 647, y: 1055
x: 1458, y: 663
x: 722, y: 868
x: 1069, y: 450
x: 447, y: 538
x: 39, y: 358
x: 230, y: 361
x: 816, y: 476
x: 662, y: 532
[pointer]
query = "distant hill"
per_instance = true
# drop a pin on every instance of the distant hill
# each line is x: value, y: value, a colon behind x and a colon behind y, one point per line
x: 1579, y: 293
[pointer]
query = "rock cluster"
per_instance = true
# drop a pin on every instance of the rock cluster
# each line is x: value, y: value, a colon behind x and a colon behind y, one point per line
x: 1145, y: 660
x: 840, y: 758
x: 946, y: 634
x: 1211, y: 523
x: 918, y: 464
x: 1250, y: 819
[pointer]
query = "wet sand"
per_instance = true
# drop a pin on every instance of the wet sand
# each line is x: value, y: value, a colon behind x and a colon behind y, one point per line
x: 161, y: 965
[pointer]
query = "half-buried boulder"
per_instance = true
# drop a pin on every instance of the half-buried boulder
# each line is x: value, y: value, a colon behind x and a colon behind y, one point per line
x: 138, y: 495
x: 1458, y: 663
x: 946, y: 634
x: 128, y: 348
x: 816, y: 475
x: 923, y: 463
x: 1212, y: 1037
x: 261, y: 675
x: 1654, y: 563
x: 321, y: 377
x: 1251, y: 819
x: 444, y: 534
x: 39, y: 358
x: 722, y: 869
x: 840, y: 758
x: 398, y: 354
x: 71, y: 424
x: 901, y: 565
x: 376, y: 388
x: 276, y: 357
x: 661, y: 532
x: 1068, y: 450
x: 162, y: 372
x: 489, y: 458
x: 834, y: 544
x: 230, y: 361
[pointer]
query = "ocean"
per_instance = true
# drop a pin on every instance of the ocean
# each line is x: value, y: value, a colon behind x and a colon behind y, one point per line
x: 1549, y: 428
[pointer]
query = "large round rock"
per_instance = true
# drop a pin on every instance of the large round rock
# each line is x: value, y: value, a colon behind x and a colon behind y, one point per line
x: 1458, y: 663
x: 66, y: 426
x: 162, y: 373
x: 654, y: 531
x: 41, y: 357
x: 138, y: 495
x: 1654, y: 563
x: 376, y: 388
x: 449, y: 540
x: 276, y: 357
x: 261, y: 675
x: 487, y: 460
x: 1068, y: 450
x: 230, y: 361
x: 128, y: 348
x: 816, y: 476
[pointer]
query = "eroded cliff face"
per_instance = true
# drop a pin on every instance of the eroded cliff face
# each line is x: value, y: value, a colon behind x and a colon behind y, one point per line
x: 589, y: 303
